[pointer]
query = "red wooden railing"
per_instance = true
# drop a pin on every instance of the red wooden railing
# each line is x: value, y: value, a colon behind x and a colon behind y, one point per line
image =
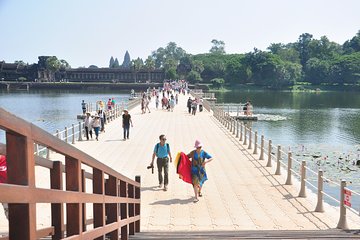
x: 115, y: 198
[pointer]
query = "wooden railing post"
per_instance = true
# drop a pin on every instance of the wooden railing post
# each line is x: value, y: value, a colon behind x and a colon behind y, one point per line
x: 131, y: 208
x: 302, y: 192
x: 269, y: 164
x: 123, y: 210
x: 342, y: 224
x: 262, y: 148
x: 255, y: 143
x: 98, y: 208
x: 73, y: 183
x: 21, y: 171
x: 278, y: 157
x: 319, y: 205
x: 137, y: 206
x: 83, y: 189
x: 57, y: 211
x: 289, y: 167
x: 112, y: 208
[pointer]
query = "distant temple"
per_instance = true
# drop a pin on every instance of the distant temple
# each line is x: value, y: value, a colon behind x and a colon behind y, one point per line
x: 40, y: 73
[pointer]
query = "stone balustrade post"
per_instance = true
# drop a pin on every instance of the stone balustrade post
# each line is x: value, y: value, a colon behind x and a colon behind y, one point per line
x: 289, y: 177
x: 66, y: 134
x: 278, y: 157
x: 250, y: 138
x: 269, y: 164
x: 245, y: 133
x: 241, y: 131
x: 262, y: 145
x: 73, y: 134
x: 255, y: 143
x: 302, y: 192
x: 234, y: 128
x: 342, y: 224
x: 237, y: 129
x: 319, y: 205
x: 80, y: 132
x: 57, y: 133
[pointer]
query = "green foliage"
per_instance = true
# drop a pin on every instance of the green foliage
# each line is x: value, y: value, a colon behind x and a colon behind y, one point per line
x: 53, y: 64
x: 193, y: 77
x: 218, y: 47
x: 217, y: 82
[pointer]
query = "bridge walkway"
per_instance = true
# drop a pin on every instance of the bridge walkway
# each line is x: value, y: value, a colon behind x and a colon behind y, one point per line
x: 241, y: 193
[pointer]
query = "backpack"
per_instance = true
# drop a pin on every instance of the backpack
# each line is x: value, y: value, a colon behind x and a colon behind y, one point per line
x: 157, y: 147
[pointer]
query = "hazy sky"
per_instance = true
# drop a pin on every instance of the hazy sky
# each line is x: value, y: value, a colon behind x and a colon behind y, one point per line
x: 85, y: 32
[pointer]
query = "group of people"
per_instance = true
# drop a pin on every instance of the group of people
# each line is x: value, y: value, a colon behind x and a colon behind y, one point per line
x: 196, y: 171
x: 192, y: 105
x: 97, y: 122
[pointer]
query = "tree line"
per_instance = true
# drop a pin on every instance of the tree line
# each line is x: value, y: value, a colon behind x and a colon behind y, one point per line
x: 316, y: 61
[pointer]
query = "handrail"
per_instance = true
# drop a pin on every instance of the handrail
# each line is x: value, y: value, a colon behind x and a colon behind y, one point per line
x: 246, y: 134
x: 112, y: 191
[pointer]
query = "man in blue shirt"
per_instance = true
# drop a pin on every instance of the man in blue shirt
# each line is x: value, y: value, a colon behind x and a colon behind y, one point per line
x: 162, y: 152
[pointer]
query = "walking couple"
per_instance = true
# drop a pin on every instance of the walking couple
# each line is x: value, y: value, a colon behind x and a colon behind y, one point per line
x: 195, y: 170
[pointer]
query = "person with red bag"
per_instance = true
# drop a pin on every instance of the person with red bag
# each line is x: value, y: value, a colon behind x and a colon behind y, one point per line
x: 3, y: 179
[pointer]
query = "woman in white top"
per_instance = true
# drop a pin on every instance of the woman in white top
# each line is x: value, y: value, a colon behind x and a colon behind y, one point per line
x: 96, y: 125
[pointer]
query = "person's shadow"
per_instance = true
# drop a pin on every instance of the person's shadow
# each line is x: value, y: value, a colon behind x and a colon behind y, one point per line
x: 173, y: 201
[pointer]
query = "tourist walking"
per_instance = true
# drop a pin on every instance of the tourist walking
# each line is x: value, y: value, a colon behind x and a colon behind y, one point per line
x: 189, y: 101
x: 201, y: 102
x: 199, y: 158
x: 162, y: 153
x: 157, y: 101
x: 83, y: 106
x: 102, y: 116
x: 88, y: 126
x: 194, y: 106
x: 109, y: 104
x: 96, y: 125
x: 126, y: 122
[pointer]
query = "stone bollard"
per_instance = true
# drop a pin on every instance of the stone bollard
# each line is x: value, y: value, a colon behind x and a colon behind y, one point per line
x: 262, y: 148
x: 278, y: 157
x: 237, y: 129
x: 241, y: 132
x: 80, y: 132
x: 73, y: 134
x: 250, y: 138
x: 66, y: 134
x: 302, y: 192
x: 47, y: 153
x: 289, y: 178
x: 269, y: 164
x: 245, y: 132
x: 234, y: 128
x: 319, y: 205
x: 255, y: 143
x: 342, y: 224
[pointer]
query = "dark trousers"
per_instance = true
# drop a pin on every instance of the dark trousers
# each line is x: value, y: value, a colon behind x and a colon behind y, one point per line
x: 87, y: 133
x: 163, y: 163
x: 126, y: 131
x: 189, y: 109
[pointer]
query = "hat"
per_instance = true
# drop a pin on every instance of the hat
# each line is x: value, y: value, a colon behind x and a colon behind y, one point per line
x: 125, y: 110
x: 198, y: 144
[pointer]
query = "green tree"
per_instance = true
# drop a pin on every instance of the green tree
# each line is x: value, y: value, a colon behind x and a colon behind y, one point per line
x: 352, y: 45
x: 302, y: 46
x: 218, y: 47
x: 193, y: 77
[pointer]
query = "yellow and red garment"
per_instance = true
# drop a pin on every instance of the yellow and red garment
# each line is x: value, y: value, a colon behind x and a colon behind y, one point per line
x: 183, y: 167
